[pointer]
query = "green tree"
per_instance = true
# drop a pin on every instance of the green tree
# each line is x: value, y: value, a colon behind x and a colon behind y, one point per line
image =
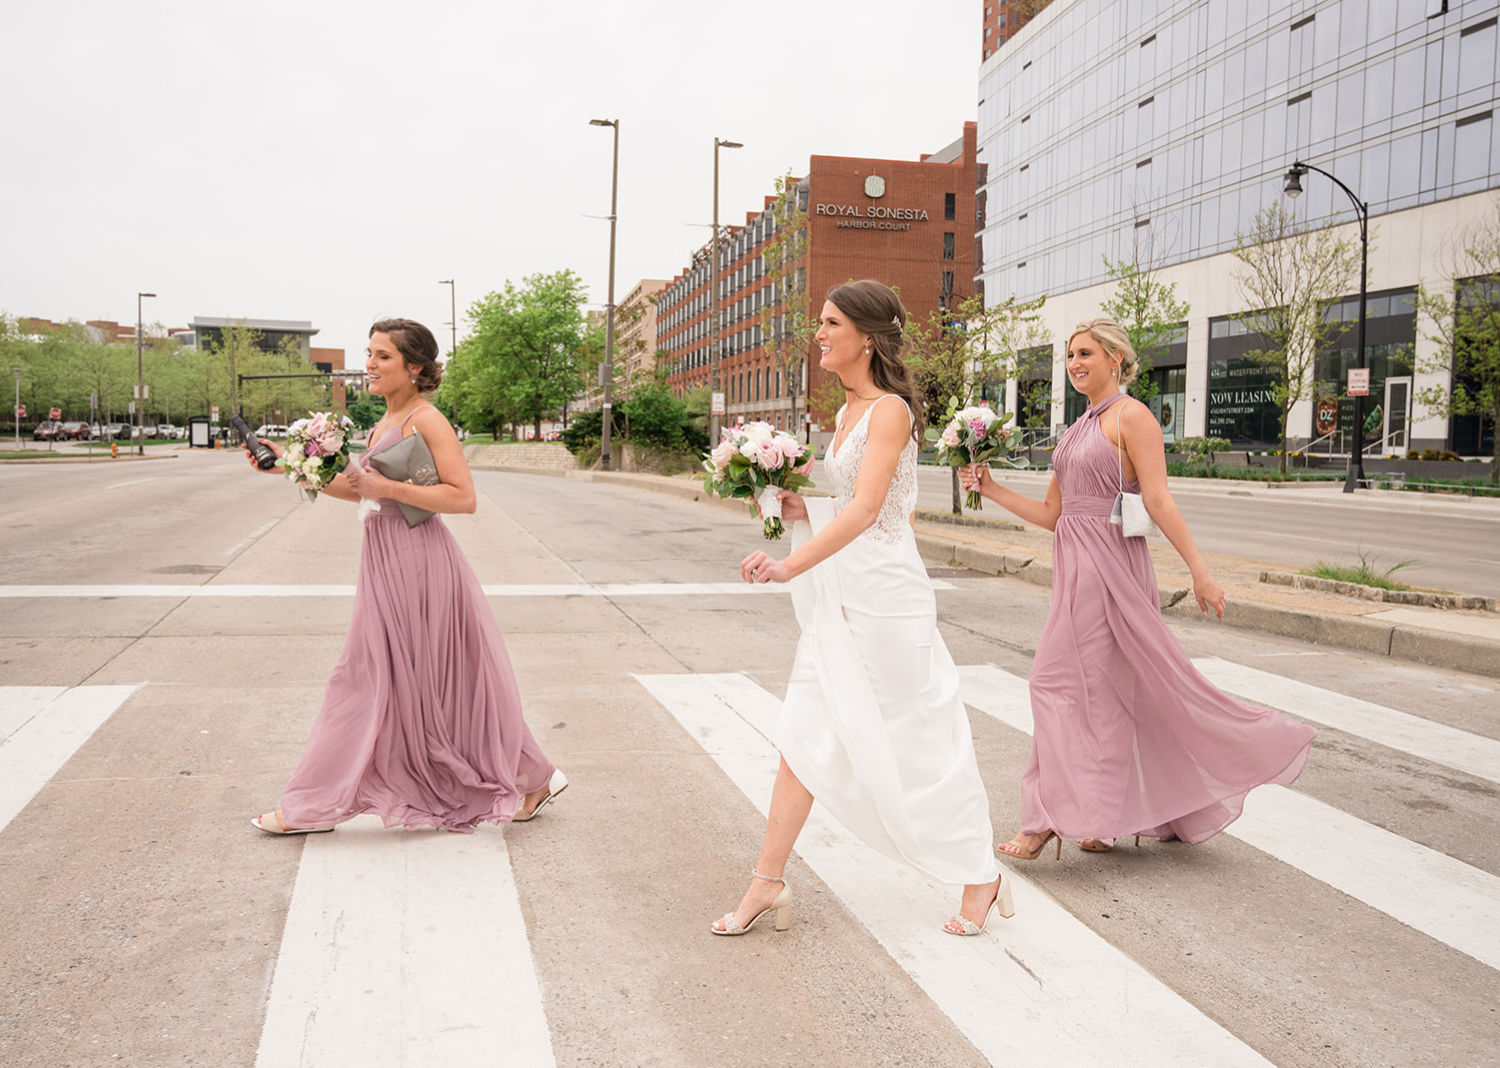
x: 1151, y: 314
x: 524, y: 355
x: 1463, y: 319
x: 1290, y: 272
x: 786, y: 329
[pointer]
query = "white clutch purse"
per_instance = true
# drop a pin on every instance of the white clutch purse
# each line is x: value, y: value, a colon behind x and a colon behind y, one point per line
x: 1129, y: 512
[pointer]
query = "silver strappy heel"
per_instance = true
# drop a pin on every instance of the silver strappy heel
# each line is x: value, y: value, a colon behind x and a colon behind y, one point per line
x: 782, y: 906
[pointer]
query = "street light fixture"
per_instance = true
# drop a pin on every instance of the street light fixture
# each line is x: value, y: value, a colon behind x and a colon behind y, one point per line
x: 140, y: 382
x: 15, y: 412
x: 1292, y: 187
x: 715, y: 385
x: 608, y: 372
x: 453, y: 303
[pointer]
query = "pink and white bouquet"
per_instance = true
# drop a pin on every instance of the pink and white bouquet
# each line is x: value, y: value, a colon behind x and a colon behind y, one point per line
x: 973, y: 435
x: 754, y: 461
x: 317, y: 449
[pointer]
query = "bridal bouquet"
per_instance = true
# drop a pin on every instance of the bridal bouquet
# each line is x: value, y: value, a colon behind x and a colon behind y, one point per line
x: 317, y: 449
x: 972, y: 436
x: 755, y: 460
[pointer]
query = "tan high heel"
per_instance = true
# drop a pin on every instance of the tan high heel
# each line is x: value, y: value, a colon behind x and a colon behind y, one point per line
x: 1003, y: 903
x: 1018, y: 855
x: 271, y: 824
x: 1101, y: 845
x: 782, y: 907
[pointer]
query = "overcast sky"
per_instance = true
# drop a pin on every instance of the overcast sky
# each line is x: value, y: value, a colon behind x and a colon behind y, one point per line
x: 331, y: 160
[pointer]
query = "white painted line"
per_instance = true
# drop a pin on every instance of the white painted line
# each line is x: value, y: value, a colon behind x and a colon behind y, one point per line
x: 1444, y: 898
x: 18, y: 704
x: 33, y: 752
x: 404, y: 948
x: 1042, y: 975
x: 1441, y: 744
x: 642, y: 589
x: 132, y: 482
x: 237, y: 546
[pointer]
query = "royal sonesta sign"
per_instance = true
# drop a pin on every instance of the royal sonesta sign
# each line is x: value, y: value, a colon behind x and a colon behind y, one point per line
x: 872, y: 216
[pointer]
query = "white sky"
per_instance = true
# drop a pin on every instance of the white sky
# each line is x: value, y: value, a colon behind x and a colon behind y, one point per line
x: 331, y: 160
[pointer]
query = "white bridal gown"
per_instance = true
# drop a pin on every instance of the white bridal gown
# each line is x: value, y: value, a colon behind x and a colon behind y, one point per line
x: 873, y: 724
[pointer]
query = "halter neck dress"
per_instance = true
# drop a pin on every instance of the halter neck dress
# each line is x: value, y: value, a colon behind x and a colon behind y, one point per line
x: 421, y: 721
x: 872, y: 724
x: 1129, y: 737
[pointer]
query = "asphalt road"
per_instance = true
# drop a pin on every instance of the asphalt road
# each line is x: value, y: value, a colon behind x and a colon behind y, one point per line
x: 1346, y: 921
x: 1453, y: 543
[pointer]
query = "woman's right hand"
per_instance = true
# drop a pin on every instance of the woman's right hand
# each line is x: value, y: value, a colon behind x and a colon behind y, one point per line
x: 975, y: 478
x: 793, y: 507
x: 275, y: 448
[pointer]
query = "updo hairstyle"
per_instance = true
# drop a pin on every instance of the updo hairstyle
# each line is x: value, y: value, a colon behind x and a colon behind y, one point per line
x: 417, y: 347
x: 1115, y: 342
x: 875, y: 310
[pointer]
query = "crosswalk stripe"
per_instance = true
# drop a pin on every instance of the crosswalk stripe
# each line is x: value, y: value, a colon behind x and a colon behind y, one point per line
x: 1041, y: 968
x: 43, y: 727
x: 1444, y: 898
x: 581, y: 589
x: 392, y: 941
x: 1437, y: 742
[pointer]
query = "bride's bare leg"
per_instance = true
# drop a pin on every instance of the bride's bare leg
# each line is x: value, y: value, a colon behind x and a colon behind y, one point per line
x: 790, y: 804
x: 977, y: 900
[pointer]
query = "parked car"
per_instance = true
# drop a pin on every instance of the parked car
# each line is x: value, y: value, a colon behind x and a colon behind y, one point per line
x: 117, y: 432
x: 45, y: 431
x: 71, y: 431
x: 271, y: 430
x: 167, y: 431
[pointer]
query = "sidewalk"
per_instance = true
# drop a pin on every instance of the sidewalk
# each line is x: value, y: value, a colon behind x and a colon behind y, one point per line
x: 1463, y: 639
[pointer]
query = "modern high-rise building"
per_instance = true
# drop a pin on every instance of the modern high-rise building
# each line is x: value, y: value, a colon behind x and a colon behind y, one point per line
x: 1153, y: 133
x: 635, y: 344
x: 907, y: 223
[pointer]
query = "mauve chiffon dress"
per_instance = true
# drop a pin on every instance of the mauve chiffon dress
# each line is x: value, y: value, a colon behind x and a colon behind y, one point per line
x: 1129, y: 737
x: 421, y: 721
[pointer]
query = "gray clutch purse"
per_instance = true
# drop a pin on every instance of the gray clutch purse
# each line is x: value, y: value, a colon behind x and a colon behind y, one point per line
x: 409, y: 460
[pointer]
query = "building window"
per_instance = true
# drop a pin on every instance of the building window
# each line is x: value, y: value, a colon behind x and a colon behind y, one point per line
x: 949, y: 205
x: 947, y: 287
x: 947, y: 246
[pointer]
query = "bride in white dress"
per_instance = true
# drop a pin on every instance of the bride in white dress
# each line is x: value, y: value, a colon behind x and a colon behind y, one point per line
x: 872, y: 725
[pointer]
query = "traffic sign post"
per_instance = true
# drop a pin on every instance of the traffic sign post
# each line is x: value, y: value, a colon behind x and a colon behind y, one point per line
x: 54, y: 413
x: 1359, y: 382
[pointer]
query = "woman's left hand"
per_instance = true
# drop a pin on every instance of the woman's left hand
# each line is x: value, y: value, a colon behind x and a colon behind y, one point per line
x: 366, y: 481
x: 758, y: 567
x: 1209, y: 594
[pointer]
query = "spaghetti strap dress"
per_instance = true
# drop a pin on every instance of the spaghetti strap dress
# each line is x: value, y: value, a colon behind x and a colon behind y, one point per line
x: 1129, y: 737
x: 873, y: 724
x: 421, y: 721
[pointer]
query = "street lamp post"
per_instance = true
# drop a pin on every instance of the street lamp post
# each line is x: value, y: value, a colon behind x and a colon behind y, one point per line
x: 15, y: 413
x: 609, y: 307
x: 715, y: 384
x: 140, y: 380
x: 453, y: 304
x: 1292, y: 186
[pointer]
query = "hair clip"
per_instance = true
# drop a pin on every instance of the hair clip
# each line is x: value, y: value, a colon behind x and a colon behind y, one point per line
x: 896, y: 321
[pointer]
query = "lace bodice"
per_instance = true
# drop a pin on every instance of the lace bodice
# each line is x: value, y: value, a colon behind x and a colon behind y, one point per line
x: 892, y: 525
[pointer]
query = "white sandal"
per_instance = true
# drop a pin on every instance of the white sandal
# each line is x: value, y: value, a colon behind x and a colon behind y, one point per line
x: 782, y: 907
x: 555, y: 785
x: 271, y: 823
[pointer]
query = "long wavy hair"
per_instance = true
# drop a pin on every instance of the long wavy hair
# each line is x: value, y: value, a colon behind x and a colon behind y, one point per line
x: 875, y: 310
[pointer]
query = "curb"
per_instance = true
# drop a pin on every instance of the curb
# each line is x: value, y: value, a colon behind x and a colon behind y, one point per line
x: 1458, y: 652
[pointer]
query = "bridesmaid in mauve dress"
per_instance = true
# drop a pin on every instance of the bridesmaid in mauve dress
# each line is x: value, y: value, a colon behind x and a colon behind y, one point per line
x: 1129, y: 739
x: 421, y: 721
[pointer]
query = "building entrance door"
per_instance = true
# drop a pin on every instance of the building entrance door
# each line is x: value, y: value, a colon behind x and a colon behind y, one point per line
x: 1397, y: 416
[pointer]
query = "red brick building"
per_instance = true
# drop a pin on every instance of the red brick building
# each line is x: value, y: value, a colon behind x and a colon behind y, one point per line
x: 1002, y: 18
x: 907, y: 223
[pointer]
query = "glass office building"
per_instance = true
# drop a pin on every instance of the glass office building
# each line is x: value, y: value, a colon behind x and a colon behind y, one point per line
x: 1153, y: 131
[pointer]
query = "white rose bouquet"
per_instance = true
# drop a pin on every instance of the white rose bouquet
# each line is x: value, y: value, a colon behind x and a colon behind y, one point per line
x: 755, y: 461
x: 971, y: 436
x: 317, y: 449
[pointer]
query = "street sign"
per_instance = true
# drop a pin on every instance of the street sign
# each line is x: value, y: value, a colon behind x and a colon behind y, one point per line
x: 20, y: 411
x: 1359, y: 381
x: 213, y: 413
x: 718, y: 404
x: 132, y: 407
x: 54, y: 413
